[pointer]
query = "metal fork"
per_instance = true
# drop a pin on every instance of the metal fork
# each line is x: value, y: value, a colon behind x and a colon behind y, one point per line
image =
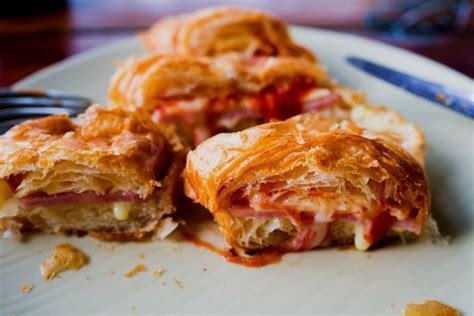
x: 17, y: 106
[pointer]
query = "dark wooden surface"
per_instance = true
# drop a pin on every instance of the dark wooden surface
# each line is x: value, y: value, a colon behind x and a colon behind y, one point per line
x: 30, y: 41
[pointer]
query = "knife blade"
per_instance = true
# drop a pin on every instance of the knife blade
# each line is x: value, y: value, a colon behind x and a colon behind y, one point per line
x: 454, y: 99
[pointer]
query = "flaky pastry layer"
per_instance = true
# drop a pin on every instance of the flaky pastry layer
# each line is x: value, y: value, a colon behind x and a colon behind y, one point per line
x: 108, y: 150
x: 220, y: 30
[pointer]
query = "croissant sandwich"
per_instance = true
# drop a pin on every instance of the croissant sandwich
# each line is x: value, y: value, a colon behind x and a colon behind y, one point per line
x: 109, y: 175
x: 220, y: 30
x: 222, y: 94
x: 308, y: 182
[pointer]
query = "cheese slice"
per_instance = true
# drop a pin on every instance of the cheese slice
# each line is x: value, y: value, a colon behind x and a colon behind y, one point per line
x: 359, y: 239
x: 121, y: 210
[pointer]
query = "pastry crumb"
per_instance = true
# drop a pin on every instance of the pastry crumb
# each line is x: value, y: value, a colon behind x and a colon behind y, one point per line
x: 178, y: 283
x: 64, y: 257
x: 176, y: 248
x: 157, y: 272
x: 111, y: 272
x: 27, y: 288
x: 430, y: 308
x: 140, y: 256
x: 109, y: 248
x: 138, y: 268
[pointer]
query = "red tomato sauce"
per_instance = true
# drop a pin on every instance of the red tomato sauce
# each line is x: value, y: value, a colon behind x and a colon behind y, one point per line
x: 263, y: 258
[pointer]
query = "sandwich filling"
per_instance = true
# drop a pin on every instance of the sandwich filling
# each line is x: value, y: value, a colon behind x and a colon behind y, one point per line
x: 77, y: 210
x: 271, y: 219
x: 210, y: 116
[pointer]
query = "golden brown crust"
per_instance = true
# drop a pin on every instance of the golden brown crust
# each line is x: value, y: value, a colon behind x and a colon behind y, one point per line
x: 146, y: 81
x: 277, y: 152
x: 109, y: 141
x: 221, y: 30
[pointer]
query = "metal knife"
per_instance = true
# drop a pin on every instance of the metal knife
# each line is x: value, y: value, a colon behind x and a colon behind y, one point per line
x: 454, y: 99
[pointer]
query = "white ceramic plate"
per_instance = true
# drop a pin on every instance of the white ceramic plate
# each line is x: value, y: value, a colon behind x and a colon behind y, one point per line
x: 325, y: 282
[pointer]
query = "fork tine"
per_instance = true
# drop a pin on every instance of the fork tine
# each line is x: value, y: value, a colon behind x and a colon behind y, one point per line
x: 6, y: 125
x: 35, y: 93
x: 17, y: 106
x: 29, y: 112
x: 20, y: 101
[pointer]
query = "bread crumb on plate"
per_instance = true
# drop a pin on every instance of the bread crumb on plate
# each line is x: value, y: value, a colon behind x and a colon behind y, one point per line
x: 138, y: 268
x: 26, y: 288
x: 157, y: 272
x: 176, y: 248
x: 109, y: 248
x: 178, y: 283
x: 430, y: 308
x: 64, y: 257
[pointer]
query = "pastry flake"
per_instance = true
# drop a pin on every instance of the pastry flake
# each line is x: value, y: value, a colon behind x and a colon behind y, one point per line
x: 136, y: 270
x: 64, y: 257
x: 27, y: 288
x: 430, y: 308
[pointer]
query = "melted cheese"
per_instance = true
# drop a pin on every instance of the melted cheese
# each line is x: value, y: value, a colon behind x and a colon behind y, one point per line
x: 359, y: 240
x: 121, y: 210
x: 8, y: 204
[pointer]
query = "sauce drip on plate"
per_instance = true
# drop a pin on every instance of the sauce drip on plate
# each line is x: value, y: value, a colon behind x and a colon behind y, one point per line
x: 261, y: 259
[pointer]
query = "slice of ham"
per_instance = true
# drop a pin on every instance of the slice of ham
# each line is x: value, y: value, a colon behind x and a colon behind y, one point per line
x: 409, y: 224
x: 319, y: 104
x: 309, y: 236
x: 43, y: 199
x: 247, y: 211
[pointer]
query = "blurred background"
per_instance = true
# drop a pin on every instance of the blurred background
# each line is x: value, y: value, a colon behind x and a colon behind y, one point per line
x: 34, y: 34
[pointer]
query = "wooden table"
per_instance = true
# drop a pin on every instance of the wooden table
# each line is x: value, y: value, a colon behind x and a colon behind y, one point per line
x: 29, y: 43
